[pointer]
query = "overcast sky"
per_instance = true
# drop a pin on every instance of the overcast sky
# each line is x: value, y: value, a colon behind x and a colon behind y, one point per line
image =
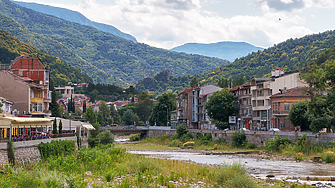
x: 170, y: 23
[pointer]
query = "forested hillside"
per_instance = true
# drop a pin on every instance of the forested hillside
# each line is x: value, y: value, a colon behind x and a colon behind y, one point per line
x: 224, y: 50
x: 74, y: 16
x: 52, y: 47
x: 112, y: 55
x: 293, y: 54
x: 163, y: 81
x: 60, y: 71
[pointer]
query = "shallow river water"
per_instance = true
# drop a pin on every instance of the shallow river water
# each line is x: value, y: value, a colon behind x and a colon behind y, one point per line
x: 256, y: 167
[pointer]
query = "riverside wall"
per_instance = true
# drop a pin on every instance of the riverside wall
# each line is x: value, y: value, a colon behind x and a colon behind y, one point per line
x: 257, y: 137
x: 27, y: 151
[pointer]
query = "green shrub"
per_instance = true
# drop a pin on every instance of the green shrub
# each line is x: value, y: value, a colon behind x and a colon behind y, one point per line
x: 106, y: 137
x: 198, y: 135
x: 134, y: 137
x: 238, y: 138
x: 248, y: 145
x: 181, y: 130
x: 328, y: 157
x: 56, y: 148
x: 276, y: 144
x: 93, y: 142
x: 219, y: 141
x: 234, y: 175
x: 10, y: 153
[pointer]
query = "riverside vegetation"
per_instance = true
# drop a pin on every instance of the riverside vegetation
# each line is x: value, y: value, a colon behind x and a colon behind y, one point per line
x: 301, y: 149
x: 111, y: 166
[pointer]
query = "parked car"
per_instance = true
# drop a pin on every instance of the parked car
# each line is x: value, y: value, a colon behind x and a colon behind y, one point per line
x: 275, y: 130
x: 129, y: 127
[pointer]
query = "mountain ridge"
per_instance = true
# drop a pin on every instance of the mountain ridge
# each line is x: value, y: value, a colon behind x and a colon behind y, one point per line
x: 228, y: 50
x: 74, y: 16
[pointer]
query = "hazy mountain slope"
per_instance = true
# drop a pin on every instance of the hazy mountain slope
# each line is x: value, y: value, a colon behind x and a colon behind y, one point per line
x: 111, y: 54
x: 224, y: 50
x: 60, y: 71
x: 53, y: 47
x: 74, y: 16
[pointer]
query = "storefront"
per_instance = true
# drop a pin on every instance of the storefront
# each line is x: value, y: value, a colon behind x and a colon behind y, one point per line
x: 18, y: 127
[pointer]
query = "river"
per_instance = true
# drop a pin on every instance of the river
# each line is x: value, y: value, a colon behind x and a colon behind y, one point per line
x: 256, y: 167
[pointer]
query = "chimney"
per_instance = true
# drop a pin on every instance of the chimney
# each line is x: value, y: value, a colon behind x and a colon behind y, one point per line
x: 282, y: 72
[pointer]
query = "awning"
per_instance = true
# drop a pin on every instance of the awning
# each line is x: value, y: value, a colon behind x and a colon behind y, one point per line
x: 87, y: 126
x: 5, y: 122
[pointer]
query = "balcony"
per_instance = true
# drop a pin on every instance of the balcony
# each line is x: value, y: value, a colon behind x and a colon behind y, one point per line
x: 245, y: 95
x: 46, y: 100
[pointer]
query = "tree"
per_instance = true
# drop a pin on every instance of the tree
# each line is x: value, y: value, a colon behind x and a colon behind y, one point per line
x: 128, y: 117
x: 315, y: 78
x: 53, y: 106
x: 221, y: 105
x: 114, y: 114
x: 137, y: 120
x: 104, y: 114
x: 193, y: 82
x: 106, y: 137
x: 84, y: 106
x: 130, y: 106
x: 144, y: 106
x: 60, y: 127
x: 92, y: 119
x: 181, y: 130
x: 54, y: 127
x: 165, y: 104
x: 298, y: 115
x: 1, y: 104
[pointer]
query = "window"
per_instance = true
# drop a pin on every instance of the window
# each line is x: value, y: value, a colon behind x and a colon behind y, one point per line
x: 286, y: 106
x: 39, y: 107
x: 31, y: 94
x: 260, y: 93
x: 260, y: 103
x: 258, y: 113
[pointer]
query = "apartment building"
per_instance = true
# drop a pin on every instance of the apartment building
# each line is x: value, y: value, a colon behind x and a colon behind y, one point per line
x: 184, y: 104
x: 263, y: 88
x: 243, y: 95
x: 200, y: 95
x: 34, y: 71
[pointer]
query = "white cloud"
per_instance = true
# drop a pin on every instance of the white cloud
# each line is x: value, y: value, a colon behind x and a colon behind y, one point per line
x: 170, y: 23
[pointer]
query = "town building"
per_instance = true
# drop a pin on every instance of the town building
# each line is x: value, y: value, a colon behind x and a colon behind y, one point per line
x: 184, y: 104
x: 34, y: 71
x: 282, y: 103
x: 66, y: 91
x: 263, y: 88
x: 27, y: 96
x: 200, y: 95
x: 243, y: 95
